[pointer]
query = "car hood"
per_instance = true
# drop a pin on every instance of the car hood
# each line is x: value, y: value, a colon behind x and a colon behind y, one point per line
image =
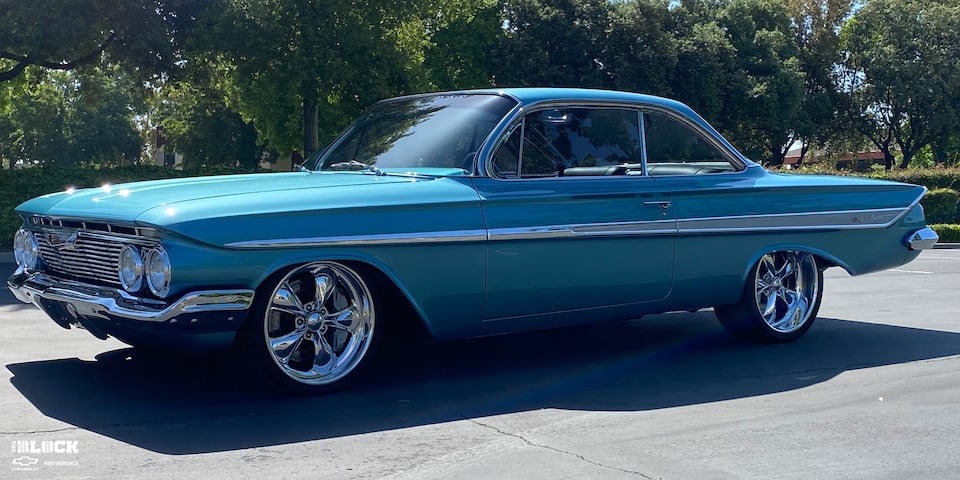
x: 128, y: 201
x: 223, y: 208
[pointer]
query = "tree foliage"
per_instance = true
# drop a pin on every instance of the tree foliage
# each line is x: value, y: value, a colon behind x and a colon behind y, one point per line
x: 69, y: 118
x: 228, y: 80
x: 900, y: 72
x: 66, y: 34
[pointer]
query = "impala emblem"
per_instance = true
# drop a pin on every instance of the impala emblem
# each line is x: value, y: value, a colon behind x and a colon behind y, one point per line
x: 61, y: 242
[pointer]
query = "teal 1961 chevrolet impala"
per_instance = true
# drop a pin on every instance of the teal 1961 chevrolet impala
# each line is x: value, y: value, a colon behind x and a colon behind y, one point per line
x: 483, y: 212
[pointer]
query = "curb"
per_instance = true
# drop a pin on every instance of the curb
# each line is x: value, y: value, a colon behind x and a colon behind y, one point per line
x: 946, y: 245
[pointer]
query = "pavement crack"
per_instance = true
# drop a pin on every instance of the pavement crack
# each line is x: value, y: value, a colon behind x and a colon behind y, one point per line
x: 557, y: 450
x: 38, y: 432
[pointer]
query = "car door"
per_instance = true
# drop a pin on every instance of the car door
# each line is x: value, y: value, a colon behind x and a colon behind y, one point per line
x: 573, y: 224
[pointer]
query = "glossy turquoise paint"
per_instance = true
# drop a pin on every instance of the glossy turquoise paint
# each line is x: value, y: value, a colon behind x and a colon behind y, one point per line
x: 473, y: 286
x: 528, y: 276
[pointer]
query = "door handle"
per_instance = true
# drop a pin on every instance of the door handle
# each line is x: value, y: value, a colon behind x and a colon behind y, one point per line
x: 664, y: 204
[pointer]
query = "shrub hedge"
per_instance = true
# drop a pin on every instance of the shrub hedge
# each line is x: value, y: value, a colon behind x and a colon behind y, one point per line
x: 949, y: 233
x: 940, y: 206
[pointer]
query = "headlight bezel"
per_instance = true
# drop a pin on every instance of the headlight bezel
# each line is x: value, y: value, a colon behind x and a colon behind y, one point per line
x: 135, y: 268
x: 26, y: 249
x: 158, y: 275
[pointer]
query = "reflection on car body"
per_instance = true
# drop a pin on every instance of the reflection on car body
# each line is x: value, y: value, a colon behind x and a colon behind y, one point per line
x: 484, y: 212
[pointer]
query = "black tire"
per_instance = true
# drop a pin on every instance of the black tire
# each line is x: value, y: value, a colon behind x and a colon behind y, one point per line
x: 780, y: 299
x: 312, y: 329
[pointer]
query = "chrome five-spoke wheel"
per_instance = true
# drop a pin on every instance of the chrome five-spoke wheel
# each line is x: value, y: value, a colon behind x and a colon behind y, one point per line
x: 317, y: 325
x: 780, y: 300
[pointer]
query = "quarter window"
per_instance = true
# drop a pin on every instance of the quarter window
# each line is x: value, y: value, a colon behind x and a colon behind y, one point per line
x: 675, y: 149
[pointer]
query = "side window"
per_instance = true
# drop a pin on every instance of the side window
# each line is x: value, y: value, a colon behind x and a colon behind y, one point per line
x: 674, y: 149
x: 572, y: 142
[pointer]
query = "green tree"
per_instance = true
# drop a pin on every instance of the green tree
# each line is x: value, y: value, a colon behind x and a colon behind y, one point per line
x: 640, y: 50
x: 900, y: 72
x: 65, y: 34
x: 293, y: 63
x: 706, y: 60
x: 70, y: 118
x: 817, y: 25
x: 193, y: 116
x: 765, y: 97
x: 458, y: 56
x: 553, y: 43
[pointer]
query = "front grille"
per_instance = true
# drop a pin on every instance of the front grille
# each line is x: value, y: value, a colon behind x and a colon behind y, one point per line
x: 89, y: 256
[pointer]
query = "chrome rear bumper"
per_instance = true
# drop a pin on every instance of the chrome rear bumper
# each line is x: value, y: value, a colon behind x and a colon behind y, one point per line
x: 923, y: 239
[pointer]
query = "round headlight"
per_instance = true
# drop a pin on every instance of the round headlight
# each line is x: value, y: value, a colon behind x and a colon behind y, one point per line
x: 158, y: 271
x: 131, y: 269
x: 25, y: 249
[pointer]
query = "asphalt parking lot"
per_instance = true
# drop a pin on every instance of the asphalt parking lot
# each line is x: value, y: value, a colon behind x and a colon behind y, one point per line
x: 872, y: 391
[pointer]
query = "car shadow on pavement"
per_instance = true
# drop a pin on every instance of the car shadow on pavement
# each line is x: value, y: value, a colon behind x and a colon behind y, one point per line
x: 176, y: 404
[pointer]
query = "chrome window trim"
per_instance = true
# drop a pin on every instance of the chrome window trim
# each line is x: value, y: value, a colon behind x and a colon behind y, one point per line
x: 710, y: 136
x: 519, y: 114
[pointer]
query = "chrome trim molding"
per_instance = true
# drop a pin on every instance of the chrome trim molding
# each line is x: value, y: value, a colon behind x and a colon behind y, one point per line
x: 844, y: 220
x: 923, y: 239
x: 834, y: 220
x: 108, y: 303
x: 375, y: 239
x: 655, y: 227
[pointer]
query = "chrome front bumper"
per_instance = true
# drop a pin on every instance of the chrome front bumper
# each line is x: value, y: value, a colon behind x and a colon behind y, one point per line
x: 109, y: 311
x: 923, y: 239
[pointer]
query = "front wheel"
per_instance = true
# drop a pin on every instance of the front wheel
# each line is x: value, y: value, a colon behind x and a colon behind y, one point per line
x: 314, y: 327
x: 780, y: 299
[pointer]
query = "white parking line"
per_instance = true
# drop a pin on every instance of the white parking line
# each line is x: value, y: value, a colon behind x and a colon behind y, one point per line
x: 910, y: 271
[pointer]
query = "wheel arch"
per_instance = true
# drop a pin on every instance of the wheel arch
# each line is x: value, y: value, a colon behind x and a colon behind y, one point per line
x: 824, y: 259
x: 382, y: 278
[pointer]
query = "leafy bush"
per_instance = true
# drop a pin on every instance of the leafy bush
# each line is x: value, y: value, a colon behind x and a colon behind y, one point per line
x: 932, y: 178
x: 940, y: 205
x: 947, y: 233
x: 23, y: 184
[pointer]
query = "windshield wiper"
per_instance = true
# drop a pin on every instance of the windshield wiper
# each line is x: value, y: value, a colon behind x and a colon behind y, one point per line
x: 355, y: 165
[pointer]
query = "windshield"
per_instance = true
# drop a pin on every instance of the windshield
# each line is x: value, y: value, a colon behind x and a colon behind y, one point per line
x: 432, y: 132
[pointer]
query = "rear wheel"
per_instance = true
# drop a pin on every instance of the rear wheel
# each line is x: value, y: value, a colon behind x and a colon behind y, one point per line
x: 780, y: 299
x: 313, y: 328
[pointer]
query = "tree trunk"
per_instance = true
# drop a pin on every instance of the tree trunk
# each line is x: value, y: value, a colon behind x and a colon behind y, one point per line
x: 907, y: 157
x: 939, y: 148
x: 804, y: 149
x: 888, y: 160
x: 310, y: 127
